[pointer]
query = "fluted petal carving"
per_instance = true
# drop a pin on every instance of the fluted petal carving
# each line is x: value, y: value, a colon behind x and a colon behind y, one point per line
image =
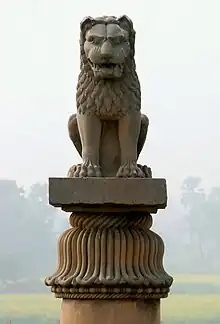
x: 104, y: 252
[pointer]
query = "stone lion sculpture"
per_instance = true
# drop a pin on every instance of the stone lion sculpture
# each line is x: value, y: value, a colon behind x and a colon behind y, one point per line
x: 108, y: 130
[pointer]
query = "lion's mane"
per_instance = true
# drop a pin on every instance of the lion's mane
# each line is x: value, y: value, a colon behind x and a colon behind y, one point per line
x: 108, y: 97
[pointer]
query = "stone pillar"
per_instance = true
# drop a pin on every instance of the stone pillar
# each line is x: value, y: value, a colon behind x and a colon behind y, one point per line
x: 110, y: 262
x: 110, y: 311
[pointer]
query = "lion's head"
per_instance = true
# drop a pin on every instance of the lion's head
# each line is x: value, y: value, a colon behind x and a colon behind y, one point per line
x: 107, y: 44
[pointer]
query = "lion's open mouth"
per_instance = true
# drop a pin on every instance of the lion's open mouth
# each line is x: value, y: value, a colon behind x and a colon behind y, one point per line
x: 104, y: 65
x: 107, y: 69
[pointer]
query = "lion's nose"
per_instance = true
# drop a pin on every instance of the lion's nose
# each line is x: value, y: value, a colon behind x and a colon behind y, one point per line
x: 106, y: 50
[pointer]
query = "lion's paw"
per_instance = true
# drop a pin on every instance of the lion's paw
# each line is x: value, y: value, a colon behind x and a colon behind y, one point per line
x: 84, y: 170
x: 130, y: 170
x: 147, y: 170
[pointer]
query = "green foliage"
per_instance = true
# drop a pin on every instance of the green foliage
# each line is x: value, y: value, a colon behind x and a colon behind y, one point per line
x: 202, y: 217
x: 191, y: 321
x: 27, y: 224
x: 191, y: 307
x: 192, y: 241
x: 27, y: 240
x: 28, y: 250
x: 43, y: 320
x: 187, y: 307
x: 27, y: 305
x: 197, y: 278
x: 29, y: 320
x: 195, y: 289
x: 196, y: 284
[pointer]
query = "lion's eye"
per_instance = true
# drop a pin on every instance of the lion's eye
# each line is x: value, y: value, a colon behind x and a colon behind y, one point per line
x: 118, y: 39
x: 90, y: 39
x: 95, y: 40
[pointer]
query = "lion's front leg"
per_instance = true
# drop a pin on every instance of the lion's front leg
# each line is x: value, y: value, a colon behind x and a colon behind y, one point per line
x: 90, y: 132
x: 128, y: 132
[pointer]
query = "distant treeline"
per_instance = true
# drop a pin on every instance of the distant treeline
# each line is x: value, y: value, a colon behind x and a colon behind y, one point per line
x: 29, y: 230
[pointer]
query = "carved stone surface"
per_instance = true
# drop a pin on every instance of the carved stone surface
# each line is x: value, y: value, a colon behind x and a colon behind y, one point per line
x: 109, y: 252
x: 110, y: 256
x: 110, y: 311
x: 108, y: 130
x: 109, y: 194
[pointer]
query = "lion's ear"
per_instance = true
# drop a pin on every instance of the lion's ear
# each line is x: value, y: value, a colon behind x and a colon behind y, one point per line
x: 86, y: 23
x: 125, y: 23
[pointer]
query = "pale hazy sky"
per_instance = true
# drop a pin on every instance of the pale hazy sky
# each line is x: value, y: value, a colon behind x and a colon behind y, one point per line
x: 178, y: 62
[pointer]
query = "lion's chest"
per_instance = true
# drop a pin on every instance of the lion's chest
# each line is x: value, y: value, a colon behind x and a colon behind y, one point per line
x: 110, y: 102
x: 106, y: 100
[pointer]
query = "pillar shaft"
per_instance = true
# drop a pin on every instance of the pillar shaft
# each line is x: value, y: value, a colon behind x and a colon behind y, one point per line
x: 109, y: 312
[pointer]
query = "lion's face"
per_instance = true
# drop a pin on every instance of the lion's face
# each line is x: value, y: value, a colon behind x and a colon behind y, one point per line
x: 106, y: 48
